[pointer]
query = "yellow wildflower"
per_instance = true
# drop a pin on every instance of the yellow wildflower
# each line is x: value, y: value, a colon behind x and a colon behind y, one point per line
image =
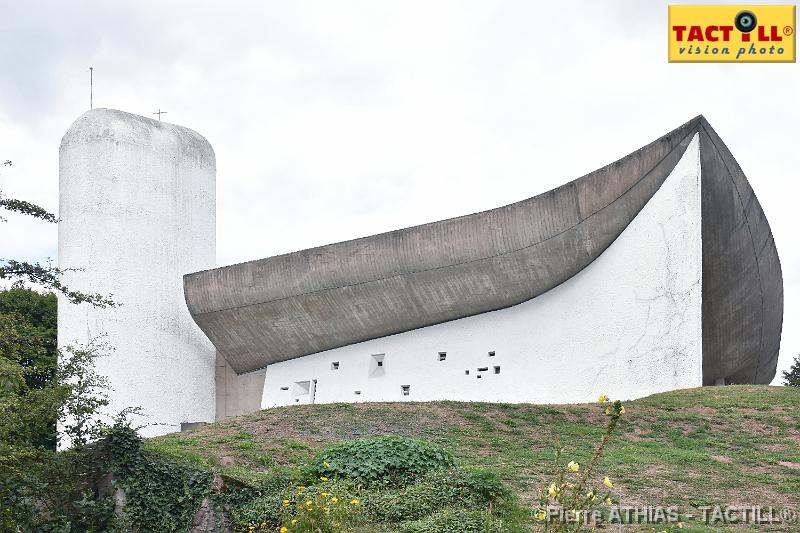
x: 540, y: 514
x: 607, y: 482
x: 553, y: 490
x: 354, y: 502
x: 608, y: 501
x: 621, y: 409
x: 603, y: 398
x: 324, y: 494
x: 327, y: 464
x: 284, y: 529
x: 334, y: 499
x: 294, y: 520
x: 323, y: 478
x: 309, y: 502
x: 326, y: 509
x: 572, y: 466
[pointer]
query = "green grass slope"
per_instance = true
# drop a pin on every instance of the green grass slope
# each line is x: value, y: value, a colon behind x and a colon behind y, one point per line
x: 735, y: 445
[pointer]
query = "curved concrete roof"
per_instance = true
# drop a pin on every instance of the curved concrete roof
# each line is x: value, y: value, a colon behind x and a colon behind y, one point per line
x: 279, y: 308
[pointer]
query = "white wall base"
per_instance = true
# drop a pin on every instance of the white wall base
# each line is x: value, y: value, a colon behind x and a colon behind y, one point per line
x: 628, y: 325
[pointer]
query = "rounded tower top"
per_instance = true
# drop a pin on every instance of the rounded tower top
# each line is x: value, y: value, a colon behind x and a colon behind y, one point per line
x: 111, y: 125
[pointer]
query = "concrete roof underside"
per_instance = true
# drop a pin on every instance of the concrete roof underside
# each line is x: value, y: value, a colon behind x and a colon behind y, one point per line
x: 288, y: 306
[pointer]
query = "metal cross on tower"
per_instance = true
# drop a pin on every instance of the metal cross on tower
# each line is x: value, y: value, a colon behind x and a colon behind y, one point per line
x: 159, y: 113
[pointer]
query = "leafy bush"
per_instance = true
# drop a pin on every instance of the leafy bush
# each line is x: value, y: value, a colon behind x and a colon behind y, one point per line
x: 375, y: 460
x: 161, y: 495
x: 318, y: 509
x: 260, y: 510
x: 277, y: 501
x: 453, y: 521
x: 469, y: 489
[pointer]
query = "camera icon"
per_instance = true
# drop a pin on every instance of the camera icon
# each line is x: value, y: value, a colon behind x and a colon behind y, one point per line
x: 745, y: 21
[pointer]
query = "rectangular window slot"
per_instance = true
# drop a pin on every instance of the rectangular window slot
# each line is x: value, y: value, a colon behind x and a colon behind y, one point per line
x: 483, y: 369
x: 497, y: 370
x: 442, y: 356
x: 491, y: 354
x: 380, y: 363
x: 406, y: 389
x: 357, y: 392
x: 335, y: 365
x: 466, y: 372
x: 478, y: 376
x: 284, y: 388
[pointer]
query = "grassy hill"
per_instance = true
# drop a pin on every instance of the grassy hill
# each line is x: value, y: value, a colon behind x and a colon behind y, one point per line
x: 735, y: 445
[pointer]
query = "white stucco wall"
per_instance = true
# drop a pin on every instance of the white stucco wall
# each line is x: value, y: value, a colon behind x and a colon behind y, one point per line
x: 137, y: 208
x: 628, y: 325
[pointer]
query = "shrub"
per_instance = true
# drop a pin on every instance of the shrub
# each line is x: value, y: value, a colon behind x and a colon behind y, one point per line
x: 473, y: 489
x: 453, y: 521
x: 375, y: 460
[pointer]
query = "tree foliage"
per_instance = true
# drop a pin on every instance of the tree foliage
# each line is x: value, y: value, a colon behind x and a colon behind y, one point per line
x: 791, y: 377
x: 47, y: 276
x: 40, y: 489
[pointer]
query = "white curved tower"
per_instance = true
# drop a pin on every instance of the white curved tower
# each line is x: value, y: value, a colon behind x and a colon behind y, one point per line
x: 137, y: 208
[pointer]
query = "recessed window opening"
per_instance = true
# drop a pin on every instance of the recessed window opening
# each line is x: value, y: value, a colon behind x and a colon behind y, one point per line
x: 335, y: 365
x: 497, y: 370
x: 357, y: 392
x: 478, y: 376
x: 466, y: 372
x: 377, y: 366
x: 483, y: 369
x: 284, y: 388
x: 442, y: 356
x: 406, y: 389
x: 491, y: 354
x: 302, y: 388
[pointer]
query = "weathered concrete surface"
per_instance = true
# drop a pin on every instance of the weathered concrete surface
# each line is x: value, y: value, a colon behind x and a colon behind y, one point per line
x: 275, y: 309
x: 742, y: 279
x: 137, y: 208
x: 237, y: 394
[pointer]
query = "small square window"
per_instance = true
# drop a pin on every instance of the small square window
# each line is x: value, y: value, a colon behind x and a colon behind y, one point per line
x: 377, y: 365
x: 335, y: 365
x: 442, y: 356
x: 357, y: 392
x: 466, y: 372
x: 478, y: 376
x: 497, y: 370
x: 491, y: 354
x: 406, y: 389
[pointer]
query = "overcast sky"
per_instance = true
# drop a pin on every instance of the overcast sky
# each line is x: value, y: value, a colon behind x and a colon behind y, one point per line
x: 334, y: 120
